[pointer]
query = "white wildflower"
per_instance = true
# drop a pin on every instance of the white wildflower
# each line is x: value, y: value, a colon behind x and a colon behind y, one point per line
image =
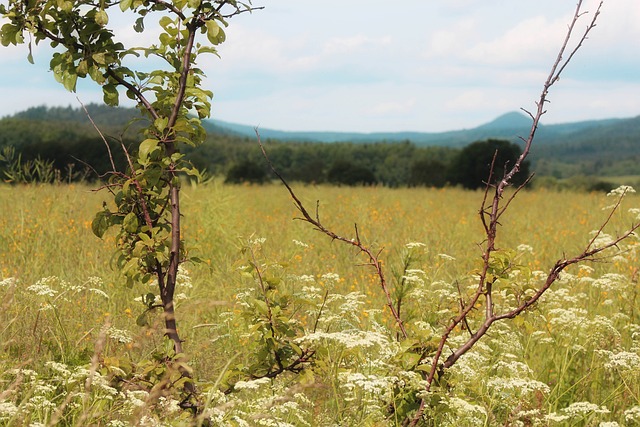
x: 257, y: 241
x: 99, y: 292
x: 299, y: 243
x: 554, y: 417
x: 45, y: 307
x: 374, y: 385
x: 525, y: 248
x: 632, y: 414
x: 9, y: 282
x: 608, y: 424
x: 119, y: 335
x: 602, y: 239
x: 517, y: 385
x: 306, y: 278
x: 619, y: 259
x: 156, y: 301
x: 251, y: 385
x: 42, y: 290
x: 461, y: 406
x: 40, y: 402
x: 136, y: 398
x: 586, y: 269
x: 29, y: 373
x: 413, y: 280
x: 117, y: 423
x: 621, y: 191
x: 311, y: 292
x: 170, y: 406
x: 349, y: 339
x: 610, y: 282
x: 446, y: 257
x: 95, y: 281
x: 624, y: 360
x: 584, y: 408
x: 147, y: 421
x: 414, y: 245
x: 60, y: 368
x: 331, y: 277
x: 183, y: 279
x: 8, y: 410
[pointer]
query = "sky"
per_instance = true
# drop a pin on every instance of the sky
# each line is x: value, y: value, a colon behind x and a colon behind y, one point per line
x: 384, y: 66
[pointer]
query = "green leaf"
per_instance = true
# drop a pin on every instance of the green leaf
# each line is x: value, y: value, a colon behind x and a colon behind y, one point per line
x: 102, y: 18
x: 130, y: 223
x: 142, y: 320
x: 146, y: 147
x: 161, y: 123
x: 10, y: 34
x: 82, y: 69
x: 30, y: 55
x: 131, y: 267
x: 165, y: 22
x: 100, y: 223
x: 261, y: 306
x: 214, y: 32
x: 69, y: 81
x: 100, y: 58
x: 139, y: 25
x: 125, y: 4
x: 110, y: 95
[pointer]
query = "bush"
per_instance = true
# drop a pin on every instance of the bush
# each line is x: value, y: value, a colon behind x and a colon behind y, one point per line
x: 348, y: 173
x: 246, y: 171
x: 428, y: 172
x: 471, y: 168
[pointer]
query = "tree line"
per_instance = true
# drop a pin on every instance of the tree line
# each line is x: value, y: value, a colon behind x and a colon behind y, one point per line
x: 62, y: 142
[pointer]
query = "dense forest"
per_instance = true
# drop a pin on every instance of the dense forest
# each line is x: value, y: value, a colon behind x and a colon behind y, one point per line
x: 64, y: 140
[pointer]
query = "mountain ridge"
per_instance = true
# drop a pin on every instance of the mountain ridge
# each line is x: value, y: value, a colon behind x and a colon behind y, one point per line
x: 511, y: 126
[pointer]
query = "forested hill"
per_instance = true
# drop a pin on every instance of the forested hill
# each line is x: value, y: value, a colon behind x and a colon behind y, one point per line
x: 509, y: 126
x: 604, y: 147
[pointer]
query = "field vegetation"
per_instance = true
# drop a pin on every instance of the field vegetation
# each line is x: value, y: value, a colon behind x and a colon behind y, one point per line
x: 81, y: 348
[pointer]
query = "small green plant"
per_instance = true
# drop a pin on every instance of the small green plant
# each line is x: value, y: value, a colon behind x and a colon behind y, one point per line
x: 17, y: 171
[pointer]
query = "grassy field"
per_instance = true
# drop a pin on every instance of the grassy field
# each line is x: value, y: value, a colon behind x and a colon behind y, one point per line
x: 68, y: 328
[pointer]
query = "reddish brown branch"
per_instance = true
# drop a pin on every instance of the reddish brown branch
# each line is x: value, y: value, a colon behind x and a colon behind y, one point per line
x: 374, y: 260
x: 490, y: 214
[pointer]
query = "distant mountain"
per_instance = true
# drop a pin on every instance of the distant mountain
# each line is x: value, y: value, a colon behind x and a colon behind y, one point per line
x: 509, y: 126
x: 512, y: 120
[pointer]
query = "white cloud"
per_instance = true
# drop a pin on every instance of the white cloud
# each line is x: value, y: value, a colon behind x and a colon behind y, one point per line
x: 344, y: 45
x: 393, y: 107
x: 372, y: 65
x: 529, y: 41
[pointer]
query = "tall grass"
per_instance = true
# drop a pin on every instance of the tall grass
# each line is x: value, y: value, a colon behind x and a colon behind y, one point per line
x: 68, y: 324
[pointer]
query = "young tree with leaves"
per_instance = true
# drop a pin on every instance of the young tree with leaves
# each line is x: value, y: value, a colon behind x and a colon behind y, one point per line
x: 145, y: 205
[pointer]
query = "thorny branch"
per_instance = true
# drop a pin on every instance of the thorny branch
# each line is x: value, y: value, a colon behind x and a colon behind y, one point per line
x: 490, y: 214
x: 374, y: 260
x: 492, y: 208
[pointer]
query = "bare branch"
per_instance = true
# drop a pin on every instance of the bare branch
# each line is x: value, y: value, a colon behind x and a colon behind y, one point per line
x: 490, y: 215
x: 374, y: 260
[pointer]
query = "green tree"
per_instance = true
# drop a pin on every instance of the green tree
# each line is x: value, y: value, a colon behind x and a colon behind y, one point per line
x: 246, y: 171
x: 428, y: 172
x: 146, y: 196
x: 348, y: 173
x: 484, y: 160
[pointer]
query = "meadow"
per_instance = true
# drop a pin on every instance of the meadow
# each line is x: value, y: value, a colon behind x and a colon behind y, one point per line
x: 75, y: 350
